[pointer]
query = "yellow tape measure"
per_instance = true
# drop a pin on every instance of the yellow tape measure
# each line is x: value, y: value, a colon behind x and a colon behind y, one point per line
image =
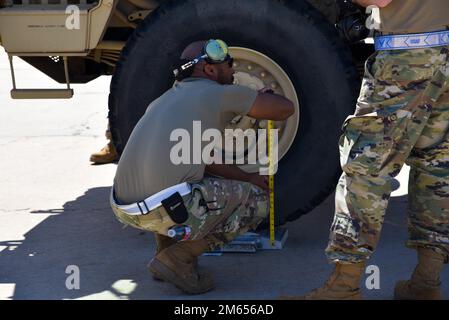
x: 271, y: 179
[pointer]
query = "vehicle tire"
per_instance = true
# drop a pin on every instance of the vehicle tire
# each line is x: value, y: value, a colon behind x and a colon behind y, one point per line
x: 291, y: 33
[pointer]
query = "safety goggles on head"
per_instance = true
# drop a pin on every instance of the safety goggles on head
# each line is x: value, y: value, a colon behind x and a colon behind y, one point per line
x: 215, y: 51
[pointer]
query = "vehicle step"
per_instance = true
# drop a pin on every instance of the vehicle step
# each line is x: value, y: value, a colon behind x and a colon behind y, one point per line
x: 41, y: 93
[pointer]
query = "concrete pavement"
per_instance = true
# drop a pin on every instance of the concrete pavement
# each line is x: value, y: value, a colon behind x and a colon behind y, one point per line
x: 54, y: 213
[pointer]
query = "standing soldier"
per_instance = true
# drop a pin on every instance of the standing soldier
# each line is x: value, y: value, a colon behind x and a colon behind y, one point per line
x: 402, y: 116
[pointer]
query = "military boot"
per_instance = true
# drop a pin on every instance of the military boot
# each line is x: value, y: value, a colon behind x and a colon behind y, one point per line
x: 176, y: 264
x: 106, y: 155
x: 162, y: 242
x: 425, y: 280
x: 343, y: 284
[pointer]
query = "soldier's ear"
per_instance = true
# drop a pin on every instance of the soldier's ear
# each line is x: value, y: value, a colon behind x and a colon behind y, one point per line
x: 210, y: 70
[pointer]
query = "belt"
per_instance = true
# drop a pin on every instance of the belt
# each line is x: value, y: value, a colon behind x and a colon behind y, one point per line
x: 412, y: 41
x: 145, y: 206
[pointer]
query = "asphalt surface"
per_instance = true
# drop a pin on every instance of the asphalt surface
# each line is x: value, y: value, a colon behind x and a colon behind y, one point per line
x: 54, y: 213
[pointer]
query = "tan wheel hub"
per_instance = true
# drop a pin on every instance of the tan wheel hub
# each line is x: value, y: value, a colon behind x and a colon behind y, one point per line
x: 255, y: 70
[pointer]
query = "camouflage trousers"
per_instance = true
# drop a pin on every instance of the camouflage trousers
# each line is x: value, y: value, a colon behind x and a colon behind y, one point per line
x: 402, y: 116
x: 217, y: 208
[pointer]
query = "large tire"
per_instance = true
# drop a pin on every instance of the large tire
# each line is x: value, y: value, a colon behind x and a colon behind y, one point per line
x: 293, y: 34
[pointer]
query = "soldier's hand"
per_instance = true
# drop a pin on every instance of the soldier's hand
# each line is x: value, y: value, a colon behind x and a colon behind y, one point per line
x: 259, y: 180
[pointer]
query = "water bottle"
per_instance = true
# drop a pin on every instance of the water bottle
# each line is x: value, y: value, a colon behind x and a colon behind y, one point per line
x: 179, y: 233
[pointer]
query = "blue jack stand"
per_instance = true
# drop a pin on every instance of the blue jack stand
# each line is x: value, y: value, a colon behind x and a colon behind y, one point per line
x: 251, y: 242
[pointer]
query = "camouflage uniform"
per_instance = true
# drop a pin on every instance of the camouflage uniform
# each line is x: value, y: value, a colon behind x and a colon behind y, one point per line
x: 218, y: 208
x: 402, y: 116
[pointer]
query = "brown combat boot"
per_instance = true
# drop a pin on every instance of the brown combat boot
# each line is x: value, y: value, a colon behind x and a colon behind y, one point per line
x: 106, y: 155
x: 175, y: 264
x: 425, y: 281
x: 343, y: 284
x: 162, y: 242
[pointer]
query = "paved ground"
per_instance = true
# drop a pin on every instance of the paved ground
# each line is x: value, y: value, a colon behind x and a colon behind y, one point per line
x: 54, y: 213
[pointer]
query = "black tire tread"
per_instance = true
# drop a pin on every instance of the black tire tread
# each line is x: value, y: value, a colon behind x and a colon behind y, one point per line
x: 301, y: 7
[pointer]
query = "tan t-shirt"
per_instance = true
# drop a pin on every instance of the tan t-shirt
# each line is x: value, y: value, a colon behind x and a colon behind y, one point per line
x: 145, y: 167
x: 414, y: 16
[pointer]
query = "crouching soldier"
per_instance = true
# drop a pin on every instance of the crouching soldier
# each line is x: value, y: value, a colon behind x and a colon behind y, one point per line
x: 189, y: 212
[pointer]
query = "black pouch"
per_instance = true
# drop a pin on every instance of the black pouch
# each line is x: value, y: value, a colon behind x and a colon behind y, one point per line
x: 174, y: 205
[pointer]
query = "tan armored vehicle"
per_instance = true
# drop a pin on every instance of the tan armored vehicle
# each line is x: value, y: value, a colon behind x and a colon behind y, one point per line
x: 291, y: 46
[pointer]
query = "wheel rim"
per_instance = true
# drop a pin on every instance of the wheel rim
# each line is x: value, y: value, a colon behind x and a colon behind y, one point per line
x: 255, y: 70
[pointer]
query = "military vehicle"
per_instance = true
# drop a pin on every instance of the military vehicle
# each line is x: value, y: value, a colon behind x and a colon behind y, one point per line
x: 291, y: 46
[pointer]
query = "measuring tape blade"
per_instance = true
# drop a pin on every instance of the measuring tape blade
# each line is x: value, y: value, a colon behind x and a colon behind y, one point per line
x: 271, y: 180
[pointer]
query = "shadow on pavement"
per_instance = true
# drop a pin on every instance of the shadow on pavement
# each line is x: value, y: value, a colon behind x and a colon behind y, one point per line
x: 85, y: 234
x: 112, y: 260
